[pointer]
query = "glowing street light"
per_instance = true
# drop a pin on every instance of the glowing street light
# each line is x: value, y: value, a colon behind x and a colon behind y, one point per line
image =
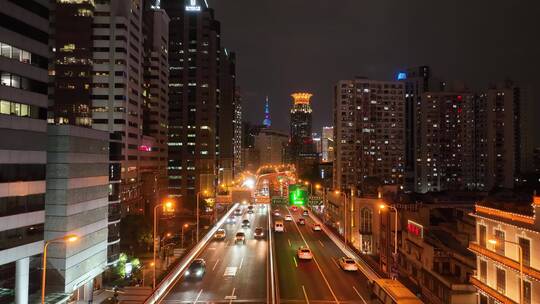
x: 382, y: 207
x: 70, y: 238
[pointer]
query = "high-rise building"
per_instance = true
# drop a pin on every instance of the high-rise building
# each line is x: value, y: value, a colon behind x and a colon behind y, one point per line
x: 300, y: 122
x: 369, y: 132
x: 267, y: 122
x: 500, y: 145
x: 226, y: 116
x: 327, y: 144
x: 317, y: 143
x: 270, y: 145
x: 24, y: 53
x: 238, y: 132
x: 153, y: 149
x: 195, y: 54
x: 445, y: 142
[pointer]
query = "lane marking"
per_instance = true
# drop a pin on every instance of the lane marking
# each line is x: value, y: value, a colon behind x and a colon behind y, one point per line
x: 305, y: 294
x: 230, y: 272
x: 288, y: 240
x: 241, y: 262
x: 295, y: 263
x: 317, y: 263
x: 321, y: 243
x: 335, y: 262
x: 227, y: 243
x: 358, y: 293
x: 231, y: 297
x: 214, y: 268
x: 198, y: 296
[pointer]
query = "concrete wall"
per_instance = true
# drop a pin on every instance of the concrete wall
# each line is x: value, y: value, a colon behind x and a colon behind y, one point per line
x: 76, y: 203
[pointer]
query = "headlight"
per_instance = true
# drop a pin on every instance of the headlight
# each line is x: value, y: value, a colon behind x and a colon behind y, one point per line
x: 187, y: 272
x: 199, y: 272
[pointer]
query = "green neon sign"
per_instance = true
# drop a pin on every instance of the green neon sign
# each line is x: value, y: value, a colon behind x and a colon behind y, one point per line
x: 298, y: 196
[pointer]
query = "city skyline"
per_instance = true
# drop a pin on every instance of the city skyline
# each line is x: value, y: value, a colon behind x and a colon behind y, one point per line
x: 426, y: 34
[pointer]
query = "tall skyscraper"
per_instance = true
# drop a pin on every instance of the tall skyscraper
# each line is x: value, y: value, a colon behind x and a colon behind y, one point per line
x: 301, y: 150
x: 369, y: 127
x: 500, y: 128
x: 445, y: 142
x: 226, y: 116
x: 194, y: 98
x: 267, y: 122
x: 24, y: 53
x: 238, y: 132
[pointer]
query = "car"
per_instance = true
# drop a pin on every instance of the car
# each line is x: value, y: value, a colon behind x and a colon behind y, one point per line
x: 196, y: 269
x: 305, y: 213
x: 347, y: 264
x: 288, y: 218
x: 304, y: 253
x: 278, y: 226
x: 250, y: 207
x: 294, y: 208
x: 301, y: 221
x: 250, y: 211
x: 220, y: 234
x: 231, y: 220
x: 316, y: 227
x: 276, y: 212
x: 259, y: 233
x: 246, y: 223
x: 238, y: 211
x: 240, y: 237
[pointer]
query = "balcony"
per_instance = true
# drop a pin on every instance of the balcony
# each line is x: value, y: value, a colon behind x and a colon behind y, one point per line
x: 479, y: 250
x: 491, y: 292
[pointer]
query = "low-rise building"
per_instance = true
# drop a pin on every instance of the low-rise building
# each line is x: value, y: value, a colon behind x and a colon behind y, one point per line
x: 505, y: 225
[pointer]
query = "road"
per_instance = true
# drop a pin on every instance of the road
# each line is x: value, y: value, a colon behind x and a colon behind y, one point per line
x: 320, y: 280
x: 234, y: 273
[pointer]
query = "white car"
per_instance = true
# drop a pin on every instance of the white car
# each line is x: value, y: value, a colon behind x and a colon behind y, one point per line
x: 276, y: 213
x: 317, y: 227
x: 304, y: 253
x: 288, y: 218
x: 347, y: 264
x: 220, y: 234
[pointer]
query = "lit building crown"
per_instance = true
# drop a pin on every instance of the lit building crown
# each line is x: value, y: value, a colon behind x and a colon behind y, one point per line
x: 301, y: 98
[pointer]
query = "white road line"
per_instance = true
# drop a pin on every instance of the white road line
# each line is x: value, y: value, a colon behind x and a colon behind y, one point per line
x: 336, y: 263
x: 321, y: 243
x: 356, y: 290
x: 317, y: 263
x: 213, y: 268
x: 295, y: 263
x: 241, y: 262
x: 288, y: 240
x: 305, y: 294
x: 232, y: 295
x: 198, y: 296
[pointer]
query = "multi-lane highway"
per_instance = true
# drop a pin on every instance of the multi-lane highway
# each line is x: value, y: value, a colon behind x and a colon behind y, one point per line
x: 320, y: 280
x: 234, y: 273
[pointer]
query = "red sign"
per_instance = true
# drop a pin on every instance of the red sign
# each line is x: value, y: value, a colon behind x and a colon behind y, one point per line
x: 415, y: 229
x: 145, y: 148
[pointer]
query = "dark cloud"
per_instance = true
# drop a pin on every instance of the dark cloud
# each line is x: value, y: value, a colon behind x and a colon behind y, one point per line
x: 285, y: 46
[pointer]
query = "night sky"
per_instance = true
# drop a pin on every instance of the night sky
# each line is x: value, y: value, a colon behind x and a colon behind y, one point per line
x: 285, y: 46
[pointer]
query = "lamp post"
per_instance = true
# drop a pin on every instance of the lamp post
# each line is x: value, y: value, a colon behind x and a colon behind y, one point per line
x: 70, y: 238
x: 167, y: 205
x: 520, y: 249
x: 339, y: 193
x: 143, y: 273
x: 182, y: 241
x: 382, y: 207
x: 198, y: 210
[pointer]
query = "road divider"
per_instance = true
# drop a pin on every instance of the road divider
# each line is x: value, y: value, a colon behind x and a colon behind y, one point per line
x: 176, y: 273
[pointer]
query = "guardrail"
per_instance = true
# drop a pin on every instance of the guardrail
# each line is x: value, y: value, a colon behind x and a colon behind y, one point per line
x: 364, y: 267
x: 274, y: 285
x: 168, y: 282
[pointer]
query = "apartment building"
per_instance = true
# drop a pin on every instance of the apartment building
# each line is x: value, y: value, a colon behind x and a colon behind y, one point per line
x: 369, y: 132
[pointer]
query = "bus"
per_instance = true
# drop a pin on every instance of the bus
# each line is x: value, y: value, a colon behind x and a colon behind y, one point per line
x: 387, y: 291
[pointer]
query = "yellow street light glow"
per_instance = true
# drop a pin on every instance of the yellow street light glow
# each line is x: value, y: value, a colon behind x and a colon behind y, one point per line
x: 336, y: 192
x: 382, y: 206
x: 306, y: 183
x: 186, y: 225
x: 70, y: 238
x: 169, y: 234
x: 317, y: 186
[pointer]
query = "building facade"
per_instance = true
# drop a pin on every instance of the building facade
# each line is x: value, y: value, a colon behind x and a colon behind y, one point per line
x: 503, y: 226
x: 270, y: 145
x: 24, y: 54
x: 369, y: 132
x: 445, y: 142
x: 327, y: 144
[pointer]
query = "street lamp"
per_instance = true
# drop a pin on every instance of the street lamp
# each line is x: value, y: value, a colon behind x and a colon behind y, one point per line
x: 382, y: 207
x: 339, y: 193
x: 182, y: 241
x: 70, y: 238
x: 198, y: 198
x: 168, y: 206
x: 520, y: 249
